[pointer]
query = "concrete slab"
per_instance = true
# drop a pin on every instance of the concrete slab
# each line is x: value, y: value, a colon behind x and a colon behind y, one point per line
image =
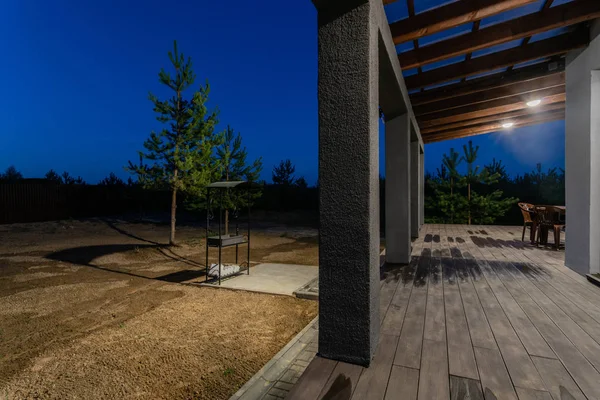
x: 282, y: 279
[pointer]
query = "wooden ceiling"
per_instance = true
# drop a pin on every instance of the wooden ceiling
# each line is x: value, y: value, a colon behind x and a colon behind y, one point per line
x: 472, y: 95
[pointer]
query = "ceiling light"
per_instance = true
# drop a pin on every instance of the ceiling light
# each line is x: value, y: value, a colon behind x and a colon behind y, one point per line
x: 534, y: 103
x: 507, y: 125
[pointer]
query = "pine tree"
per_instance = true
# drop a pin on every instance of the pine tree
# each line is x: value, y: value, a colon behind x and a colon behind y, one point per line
x: 11, y: 174
x: 451, y: 162
x: 181, y: 155
x: 470, y: 155
x: 112, y: 180
x: 283, y: 174
x: 69, y: 180
x: 52, y: 176
x: 231, y: 156
x: 301, y: 183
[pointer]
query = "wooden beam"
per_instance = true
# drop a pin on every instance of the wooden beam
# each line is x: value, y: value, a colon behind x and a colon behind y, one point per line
x: 495, y: 117
x: 476, y: 26
x: 527, y: 26
x: 487, y: 82
x: 514, y: 89
x: 548, y: 96
x: 495, y: 127
x: 449, y: 16
x: 410, y: 4
x: 533, y: 51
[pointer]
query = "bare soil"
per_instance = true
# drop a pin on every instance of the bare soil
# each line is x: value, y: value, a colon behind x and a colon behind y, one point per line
x: 104, y: 309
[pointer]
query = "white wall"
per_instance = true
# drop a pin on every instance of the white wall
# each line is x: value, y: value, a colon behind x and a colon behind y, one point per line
x: 583, y: 157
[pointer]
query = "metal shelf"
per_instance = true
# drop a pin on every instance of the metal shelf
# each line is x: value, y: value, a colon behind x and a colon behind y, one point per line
x: 226, y: 240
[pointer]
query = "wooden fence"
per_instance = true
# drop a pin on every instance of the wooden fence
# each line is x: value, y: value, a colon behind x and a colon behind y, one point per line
x: 26, y: 201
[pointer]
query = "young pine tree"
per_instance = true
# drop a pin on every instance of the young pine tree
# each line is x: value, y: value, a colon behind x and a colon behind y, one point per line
x: 52, y: 176
x: 11, y: 175
x: 451, y: 162
x: 181, y: 155
x: 231, y: 156
x: 473, y: 176
x: 283, y: 174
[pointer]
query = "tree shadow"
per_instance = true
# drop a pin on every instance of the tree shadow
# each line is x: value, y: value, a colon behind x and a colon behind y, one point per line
x: 85, y: 255
x: 111, y: 225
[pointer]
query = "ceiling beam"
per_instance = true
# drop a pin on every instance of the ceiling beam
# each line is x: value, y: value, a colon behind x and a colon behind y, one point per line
x: 515, y: 89
x: 449, y: 16
x: 495, y: 127
x: 544, y: 48
x: 527, y: 26
x: 496, y: 117
x: 487, y: 82
x: 548, y: 96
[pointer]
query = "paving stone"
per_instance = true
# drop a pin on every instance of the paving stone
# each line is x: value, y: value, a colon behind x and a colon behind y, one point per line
x: 301, y: 363
x: 284, y: 386
x: 278, y: 392
x: 290, y: 376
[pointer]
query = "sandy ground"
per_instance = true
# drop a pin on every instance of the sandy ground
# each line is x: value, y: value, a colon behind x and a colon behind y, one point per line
x: 96, y: 309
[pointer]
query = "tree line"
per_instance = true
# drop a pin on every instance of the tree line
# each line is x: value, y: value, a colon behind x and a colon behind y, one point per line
x: 487, y: 195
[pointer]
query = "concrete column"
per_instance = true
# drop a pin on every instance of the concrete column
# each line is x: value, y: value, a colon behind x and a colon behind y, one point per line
x: 397, y: 190
x: 422, y: 199
x: 583, y: 158
x: 415, y: 189
x: 348, y: 92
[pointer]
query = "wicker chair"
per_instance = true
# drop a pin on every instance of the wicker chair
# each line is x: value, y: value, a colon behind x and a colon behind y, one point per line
x: 526, y: 210
x: 549, y: 218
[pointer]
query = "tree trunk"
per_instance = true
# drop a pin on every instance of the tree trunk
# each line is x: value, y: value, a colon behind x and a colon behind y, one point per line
x: 227, y: 210
x: 452, y: 200
x: 469, y: 204
x: 173, y: 210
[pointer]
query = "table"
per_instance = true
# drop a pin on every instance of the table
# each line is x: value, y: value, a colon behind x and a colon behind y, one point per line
x: 544, y: 235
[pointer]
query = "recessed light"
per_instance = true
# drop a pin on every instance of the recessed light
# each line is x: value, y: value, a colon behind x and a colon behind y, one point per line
x: 534, y: 103
x: 508, y: 125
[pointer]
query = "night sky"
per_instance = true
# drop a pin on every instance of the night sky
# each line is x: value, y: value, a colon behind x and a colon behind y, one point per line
x: 75, y: 77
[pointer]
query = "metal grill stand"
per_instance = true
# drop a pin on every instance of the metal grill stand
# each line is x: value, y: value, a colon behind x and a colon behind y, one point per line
x: 221, y: 241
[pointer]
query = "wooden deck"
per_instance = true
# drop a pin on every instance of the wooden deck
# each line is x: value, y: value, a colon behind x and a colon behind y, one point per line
x: 477, y: 314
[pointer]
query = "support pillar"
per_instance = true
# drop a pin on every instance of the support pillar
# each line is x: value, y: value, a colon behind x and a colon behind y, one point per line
x: 583, y: 157
x: 422, y: 189
x: 348, y: 92
x: 415, y: 189
x: 397, y: 190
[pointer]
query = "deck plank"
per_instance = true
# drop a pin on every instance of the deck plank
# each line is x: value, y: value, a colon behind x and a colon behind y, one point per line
x: 313, y: 380
x: 465, y: 389
x: 435, y: 319
x: 460, y: 350
x: 481, y: 333
x: 394, y: 318
x: 403, y: 384
x: 494, y: 376
x: 557, y: 379
x: 349, y: 371
x: 408, y: 353
x: 433, y: 377
x: 373, y: 380
x: 530, y: 394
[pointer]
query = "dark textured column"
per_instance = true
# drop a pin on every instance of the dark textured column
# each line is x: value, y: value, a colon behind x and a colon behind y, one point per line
x: 397, y: 190
x: 348, y: 176
x: 415, y: 188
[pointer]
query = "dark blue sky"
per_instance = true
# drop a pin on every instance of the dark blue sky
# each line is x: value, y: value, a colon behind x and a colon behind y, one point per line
x: 75, y: 77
